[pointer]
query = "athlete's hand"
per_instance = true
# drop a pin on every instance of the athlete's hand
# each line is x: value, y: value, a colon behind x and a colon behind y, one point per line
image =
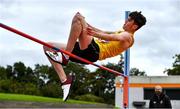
x: 91, y: 32
x: 91, y: 26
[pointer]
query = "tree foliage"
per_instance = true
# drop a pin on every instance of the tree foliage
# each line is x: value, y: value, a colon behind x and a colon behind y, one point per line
x: 137, y: 72
x: 175, y: 70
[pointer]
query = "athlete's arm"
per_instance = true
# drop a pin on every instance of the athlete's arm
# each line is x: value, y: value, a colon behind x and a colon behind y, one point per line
x: 99, y: 30
x: 123, y: 36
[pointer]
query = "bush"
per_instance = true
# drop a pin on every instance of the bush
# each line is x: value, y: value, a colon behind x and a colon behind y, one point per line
x: 4, y: 86
x: 51, y: 90
x: 9, y: 86
x: 89, y: 97
x: 31, y: 89
x: 24, y: 88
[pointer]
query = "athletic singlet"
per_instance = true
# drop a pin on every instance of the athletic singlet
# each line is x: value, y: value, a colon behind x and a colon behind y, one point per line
x: 110, y: 48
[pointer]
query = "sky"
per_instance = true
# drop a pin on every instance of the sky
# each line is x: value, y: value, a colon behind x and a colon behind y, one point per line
x: 50, y: 20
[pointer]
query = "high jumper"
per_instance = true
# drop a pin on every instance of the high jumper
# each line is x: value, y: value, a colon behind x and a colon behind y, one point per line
x: 92, y: 44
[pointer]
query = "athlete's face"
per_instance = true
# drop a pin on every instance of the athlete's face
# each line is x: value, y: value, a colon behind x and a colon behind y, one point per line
x: 129, y: 25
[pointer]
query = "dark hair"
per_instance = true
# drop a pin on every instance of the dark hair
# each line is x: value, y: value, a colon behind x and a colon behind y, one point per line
x: 138, y: 18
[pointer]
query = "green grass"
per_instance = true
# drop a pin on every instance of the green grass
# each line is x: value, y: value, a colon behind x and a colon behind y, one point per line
x: 31, y: 98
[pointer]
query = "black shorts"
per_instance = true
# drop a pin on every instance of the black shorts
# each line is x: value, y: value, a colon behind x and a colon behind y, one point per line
x: 91, y: 53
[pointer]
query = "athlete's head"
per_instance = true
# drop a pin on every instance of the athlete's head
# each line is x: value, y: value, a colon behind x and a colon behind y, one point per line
x: 138, y: 18
x: 135, y: 21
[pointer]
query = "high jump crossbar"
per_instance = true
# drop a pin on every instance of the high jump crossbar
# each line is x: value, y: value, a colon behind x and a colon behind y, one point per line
x: 59, y: 50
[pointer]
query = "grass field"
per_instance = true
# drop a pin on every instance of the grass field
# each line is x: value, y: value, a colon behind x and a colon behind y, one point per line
x: 30, y: 101
x: 31, y: 98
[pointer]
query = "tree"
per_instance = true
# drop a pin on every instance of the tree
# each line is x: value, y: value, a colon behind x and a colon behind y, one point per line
x: 3, y: 73
x: 19, y: 71
x: 175, y: 70
x: 137, y: 72
x: 42, y: 74
x: 30, y: 75
x: 9, y: 71
x: 24, y: 74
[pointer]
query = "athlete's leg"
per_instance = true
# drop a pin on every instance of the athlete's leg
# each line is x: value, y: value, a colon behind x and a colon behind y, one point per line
x: 65, y: 80
x: 78, y: 32
x: 58, y: 67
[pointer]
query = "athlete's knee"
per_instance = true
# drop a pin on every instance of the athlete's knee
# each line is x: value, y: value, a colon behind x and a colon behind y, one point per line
x: 77, y: 18
x: 76, y: 24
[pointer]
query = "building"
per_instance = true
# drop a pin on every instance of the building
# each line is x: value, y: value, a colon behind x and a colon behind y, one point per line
x: 141, y: 88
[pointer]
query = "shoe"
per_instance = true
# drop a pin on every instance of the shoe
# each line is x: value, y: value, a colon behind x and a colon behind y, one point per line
x: 57, y: 57
x: 66, y: 86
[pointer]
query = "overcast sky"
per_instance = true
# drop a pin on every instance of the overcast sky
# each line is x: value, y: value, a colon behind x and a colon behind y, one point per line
x: 50, y: 20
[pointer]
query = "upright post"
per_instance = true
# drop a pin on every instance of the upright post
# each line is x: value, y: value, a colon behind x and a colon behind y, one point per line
x: 126, y: 72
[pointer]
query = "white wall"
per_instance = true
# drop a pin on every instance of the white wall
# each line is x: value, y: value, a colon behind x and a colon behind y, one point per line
x: 136, y: 94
